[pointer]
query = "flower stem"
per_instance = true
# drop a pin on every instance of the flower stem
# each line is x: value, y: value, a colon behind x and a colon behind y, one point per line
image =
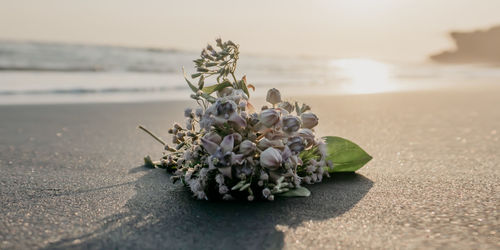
x: 152, y: 135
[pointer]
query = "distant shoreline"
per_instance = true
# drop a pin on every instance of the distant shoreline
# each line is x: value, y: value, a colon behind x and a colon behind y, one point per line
x: 478, y: 46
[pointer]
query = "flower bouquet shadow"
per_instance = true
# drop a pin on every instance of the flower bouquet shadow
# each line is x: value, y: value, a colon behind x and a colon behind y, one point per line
x: 164, y: 215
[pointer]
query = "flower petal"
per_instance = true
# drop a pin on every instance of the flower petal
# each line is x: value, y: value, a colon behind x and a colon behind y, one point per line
x: 286, y: 153
x: 234, y: 117
x: 209, y: 146
x: 237, y: 159
x: 227, y: 143
x: 271, y: 158
x: 210, y: 162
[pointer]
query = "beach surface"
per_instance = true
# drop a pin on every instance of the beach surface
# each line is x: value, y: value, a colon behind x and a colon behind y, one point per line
x: 72, y: 177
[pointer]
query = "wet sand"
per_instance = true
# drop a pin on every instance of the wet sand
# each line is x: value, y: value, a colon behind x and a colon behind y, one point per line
x: 71, y: 176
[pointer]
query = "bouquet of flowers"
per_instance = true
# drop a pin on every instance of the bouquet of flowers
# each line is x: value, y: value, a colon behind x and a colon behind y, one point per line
x: 229, y: 150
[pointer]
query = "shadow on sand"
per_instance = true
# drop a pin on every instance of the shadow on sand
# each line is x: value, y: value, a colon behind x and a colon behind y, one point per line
x: 163, y: 215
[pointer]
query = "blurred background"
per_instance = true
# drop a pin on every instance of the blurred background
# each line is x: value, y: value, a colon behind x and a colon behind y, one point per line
x: 66, y: 51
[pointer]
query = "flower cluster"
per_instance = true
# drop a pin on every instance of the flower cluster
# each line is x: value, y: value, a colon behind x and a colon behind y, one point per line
x: 229, y: 150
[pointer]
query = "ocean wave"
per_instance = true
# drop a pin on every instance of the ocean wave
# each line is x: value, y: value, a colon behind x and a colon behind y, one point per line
x: 83, y: 91
x: 35, y: 56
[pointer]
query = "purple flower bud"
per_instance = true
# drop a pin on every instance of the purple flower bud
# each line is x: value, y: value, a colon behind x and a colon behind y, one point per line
x: 242, y: 105
x: 308, y: 136
x: 273, y: 96
x: 296, y: 144
x: 271, y: 159
x: 237, y: 138
x: 223, y: 189
x: 188, y: 112
x: 286, y: 106
x: 269, y: 117
x: 213, y: 137
x: 247, y: 147
x: 309, y: 120
x: 291, y: 124
x: 266, y: 143
x: 225, y: 108
x: 266, y: 192
x: 199, y: 112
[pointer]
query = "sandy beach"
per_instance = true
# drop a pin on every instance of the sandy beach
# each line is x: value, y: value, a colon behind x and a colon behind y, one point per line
x: 71, y: 176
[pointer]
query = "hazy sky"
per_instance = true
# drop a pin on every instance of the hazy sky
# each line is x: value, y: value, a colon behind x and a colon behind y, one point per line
x: 386, y: 29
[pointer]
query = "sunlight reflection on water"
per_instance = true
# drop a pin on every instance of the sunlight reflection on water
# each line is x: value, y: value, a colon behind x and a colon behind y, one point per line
x: 363, y: 76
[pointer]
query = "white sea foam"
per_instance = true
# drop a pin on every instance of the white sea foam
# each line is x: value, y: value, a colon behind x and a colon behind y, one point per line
x: 65, y: 73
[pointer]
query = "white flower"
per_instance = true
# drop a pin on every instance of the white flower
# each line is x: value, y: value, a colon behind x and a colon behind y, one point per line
x: 322, y: 148
x: 264, y: 176
x: 271, y: 159
x: 307, y: 179
x: 195, y: 186
x: 237, y: 95
x: 207, y: 122
x: 266, y: 192
x: 223, y: 189
x: 314, y: 177
x: 219, y: 178
x: 188, y: 155
x: 273, y: 96
x: 222, y: 155
x: 201, y: 195
x: 309, y: 120
x: 320, y: 178
x: 203, y: 173
x: 188, y: 174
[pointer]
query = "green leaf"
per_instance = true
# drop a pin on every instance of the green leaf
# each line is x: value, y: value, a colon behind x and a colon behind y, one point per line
x: 296, y: 192
x: 210, y: 89
x: 208, y: 97
x: 243, y: 86
x: 193, y: 88
x: 297, y: 109
x: 201, y: 82
x: 345, y: 155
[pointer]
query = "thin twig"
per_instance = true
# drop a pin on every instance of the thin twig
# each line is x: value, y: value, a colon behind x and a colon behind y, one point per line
x: 152, y: 135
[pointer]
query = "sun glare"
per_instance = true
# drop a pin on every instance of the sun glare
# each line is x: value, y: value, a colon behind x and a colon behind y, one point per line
x: 363, y: 76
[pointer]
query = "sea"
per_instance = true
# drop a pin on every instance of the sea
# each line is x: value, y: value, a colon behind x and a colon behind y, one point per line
x: 56, y: 73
